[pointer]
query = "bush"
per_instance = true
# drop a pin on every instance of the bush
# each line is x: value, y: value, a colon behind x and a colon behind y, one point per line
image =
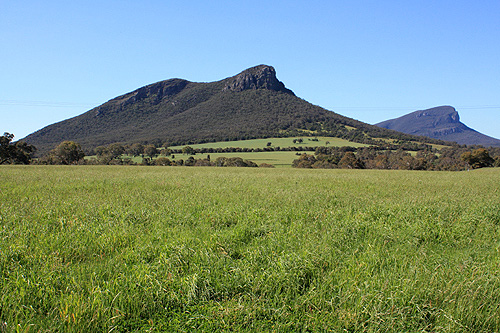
x: 162, y: 161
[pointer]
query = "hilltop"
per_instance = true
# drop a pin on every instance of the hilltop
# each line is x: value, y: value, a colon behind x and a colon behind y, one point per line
x: 252, y: 104
x: 442, y: 123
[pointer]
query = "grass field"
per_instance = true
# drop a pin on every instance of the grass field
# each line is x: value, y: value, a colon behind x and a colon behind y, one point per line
x: 278, y: 142
x: 104, y: 248
x: 280, y: 159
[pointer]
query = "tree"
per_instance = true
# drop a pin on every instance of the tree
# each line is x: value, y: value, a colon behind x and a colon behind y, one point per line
x: 136, y: 149
x: 151, y: 151
x: 6, y: 147
x: 100, y: 151
x: 68, y: 152
x: 115, y: 150
x: 497, y: 162
x: 166, y: 152
x: 15, y: 153
x: 479, y: 158
x: 163, y: 161
x: 190, y: 161
x: 381, y: 162
x: 349, y: 161
x: 188, y: 150
x: 304, y: 161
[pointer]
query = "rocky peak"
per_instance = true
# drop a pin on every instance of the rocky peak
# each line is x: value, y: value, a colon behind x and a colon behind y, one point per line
x: 440, y: 115
x: 258, y: 77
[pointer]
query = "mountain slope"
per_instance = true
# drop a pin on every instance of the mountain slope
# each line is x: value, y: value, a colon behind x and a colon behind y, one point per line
x: 442, y: 123
x: 252, y: 104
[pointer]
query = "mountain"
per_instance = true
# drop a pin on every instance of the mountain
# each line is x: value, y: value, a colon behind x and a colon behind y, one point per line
x: 442, y: 122
x: 252, y: 104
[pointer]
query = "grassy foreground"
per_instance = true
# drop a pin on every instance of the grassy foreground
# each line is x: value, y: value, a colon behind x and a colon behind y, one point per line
x: 103, y: 248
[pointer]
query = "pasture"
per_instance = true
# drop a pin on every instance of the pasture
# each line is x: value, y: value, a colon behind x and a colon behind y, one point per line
x: 277, y: 142
x: 279, y: 159
x: 124, y: 248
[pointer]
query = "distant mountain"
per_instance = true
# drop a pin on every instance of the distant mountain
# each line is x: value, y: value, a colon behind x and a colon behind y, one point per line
x: 252, y: 104
x: 442, y: 123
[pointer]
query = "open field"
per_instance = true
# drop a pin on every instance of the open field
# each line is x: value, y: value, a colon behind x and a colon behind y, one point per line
x: 280, y: 159
x: 278, y: 142
x: 116, y: 248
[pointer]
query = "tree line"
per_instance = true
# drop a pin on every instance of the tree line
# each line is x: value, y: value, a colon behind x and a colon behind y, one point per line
x: 446, y: 159
x: 69, y: 152
x: 406, y: 156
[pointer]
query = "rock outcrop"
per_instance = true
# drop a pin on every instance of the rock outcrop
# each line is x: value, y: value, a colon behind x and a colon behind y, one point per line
x: 258, y: 77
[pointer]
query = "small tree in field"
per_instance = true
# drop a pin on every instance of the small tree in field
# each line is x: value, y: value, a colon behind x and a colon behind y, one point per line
x: 188, y: 150
x: 67, y: 152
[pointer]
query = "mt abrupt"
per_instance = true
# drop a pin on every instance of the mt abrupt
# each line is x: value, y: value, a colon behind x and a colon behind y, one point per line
x: 442, y: 122
x: 252, y: 104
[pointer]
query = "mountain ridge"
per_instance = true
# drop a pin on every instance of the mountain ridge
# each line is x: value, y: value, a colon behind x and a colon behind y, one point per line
x: 251, y: 104
x: 442, y: 122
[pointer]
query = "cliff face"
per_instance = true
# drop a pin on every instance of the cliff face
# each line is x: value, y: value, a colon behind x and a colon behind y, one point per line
x: 258, y: 77
x: 442, y: 123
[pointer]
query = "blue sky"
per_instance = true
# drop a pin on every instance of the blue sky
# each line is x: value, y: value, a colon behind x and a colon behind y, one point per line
x: 368, y: 60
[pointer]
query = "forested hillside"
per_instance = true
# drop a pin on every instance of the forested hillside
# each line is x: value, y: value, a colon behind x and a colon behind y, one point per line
x: 252, y: 104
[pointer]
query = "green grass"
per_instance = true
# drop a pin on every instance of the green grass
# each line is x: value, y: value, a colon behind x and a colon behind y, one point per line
x: 280, y: 159
x: 102, y: 248
x: 277, y: 142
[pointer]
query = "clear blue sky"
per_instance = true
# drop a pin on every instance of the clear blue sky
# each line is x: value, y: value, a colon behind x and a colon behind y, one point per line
x: 368, y: 60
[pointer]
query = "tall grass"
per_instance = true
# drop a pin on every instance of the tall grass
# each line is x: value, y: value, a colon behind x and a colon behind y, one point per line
x: 180, y: 249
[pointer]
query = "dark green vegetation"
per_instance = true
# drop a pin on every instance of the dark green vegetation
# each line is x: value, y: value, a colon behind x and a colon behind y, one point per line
x: 183, y: 249
x: 252, y: 104
x: 266, y: 151
x: 479, y: 158
x: 66, y: 153
x: 14, y: 153
x: 445, y: 159
x: 439, y: 123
